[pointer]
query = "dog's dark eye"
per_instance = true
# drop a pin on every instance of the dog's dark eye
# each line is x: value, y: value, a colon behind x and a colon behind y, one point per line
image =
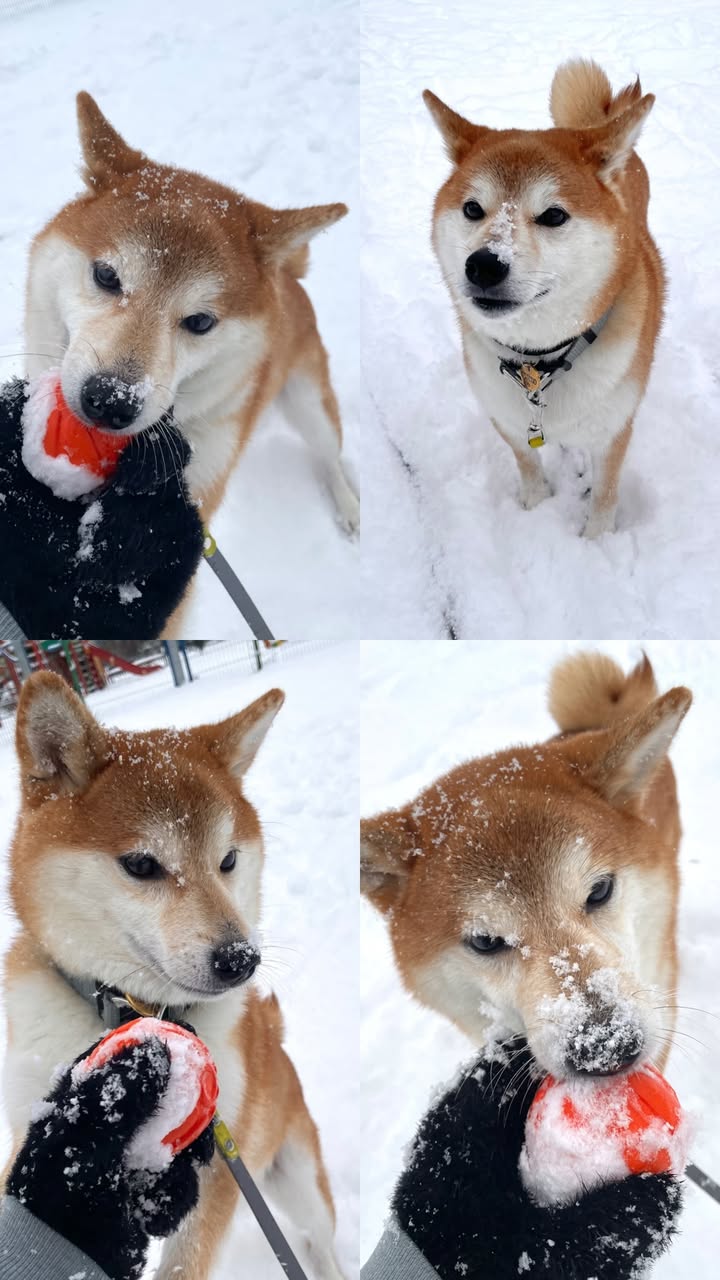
x: 600, y: 893
x: 142, y: 866
x: 229, y: 860
x: 553, y: 217
x: 483, y: 943
x: 203, y: 322
x: 106, y: 277
x: 473, y: 210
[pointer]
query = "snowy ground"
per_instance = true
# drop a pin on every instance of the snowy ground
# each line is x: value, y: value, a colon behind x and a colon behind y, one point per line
x: 264, y: 98
x: 462, y: 550
x: 304, y: 784
x: 428, y: 706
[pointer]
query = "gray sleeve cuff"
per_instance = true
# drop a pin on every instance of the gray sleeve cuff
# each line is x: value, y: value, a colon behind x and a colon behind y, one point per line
x: 30, y: 1250
x: 396, y: 1258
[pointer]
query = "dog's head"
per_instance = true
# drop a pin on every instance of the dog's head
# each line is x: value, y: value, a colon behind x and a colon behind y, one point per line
x: 535, y: 889
x: 154, y: 283
x: 137, y: 858
x: 530, y: 229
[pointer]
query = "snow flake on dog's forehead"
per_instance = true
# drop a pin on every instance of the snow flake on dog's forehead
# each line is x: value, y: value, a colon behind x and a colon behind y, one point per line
x: 183, y: 274
x: 160, y: 781
x: 435, y: 808
x: 179, y: 191
x: 161, y: 756
x: 500, y: 814
x: 456, y: 803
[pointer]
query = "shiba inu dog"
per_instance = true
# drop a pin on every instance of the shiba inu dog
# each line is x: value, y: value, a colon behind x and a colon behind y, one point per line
x: 543, y: 243
x: 535, y: 890
x: 136, y: 865
x: 159, y: 287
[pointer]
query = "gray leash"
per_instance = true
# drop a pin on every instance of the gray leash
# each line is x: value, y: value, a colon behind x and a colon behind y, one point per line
x: 235, y: 589
x: 703, y: 1181
x: 228, y: 1149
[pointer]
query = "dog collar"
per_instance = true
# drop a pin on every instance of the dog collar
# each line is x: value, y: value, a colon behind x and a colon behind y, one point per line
x: 536, y: 369
x: 114, y: 1007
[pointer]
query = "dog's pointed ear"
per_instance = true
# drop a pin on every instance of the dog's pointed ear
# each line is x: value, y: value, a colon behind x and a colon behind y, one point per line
x: 107, y: 156
x: 58, y: 741
x: 388, y: 844
x: 237, y: 740
x: 281, y: 233
x: 636, y: 749
x: 458, y: 134
x: 608, y: 147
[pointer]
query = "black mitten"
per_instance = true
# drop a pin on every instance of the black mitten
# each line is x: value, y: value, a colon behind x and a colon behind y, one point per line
x: 462, y: 1202
x: 70, y: 1171
x: 115, y: 562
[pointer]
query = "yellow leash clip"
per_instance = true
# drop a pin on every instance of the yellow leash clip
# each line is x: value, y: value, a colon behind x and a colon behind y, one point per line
x: 224, y: 1139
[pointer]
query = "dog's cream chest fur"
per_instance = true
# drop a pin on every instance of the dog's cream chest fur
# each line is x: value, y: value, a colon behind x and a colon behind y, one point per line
x: 585, y: 407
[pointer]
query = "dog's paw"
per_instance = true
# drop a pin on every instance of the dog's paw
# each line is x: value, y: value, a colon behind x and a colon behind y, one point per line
x: 347, y: 508
x: 533, y: 494
x: 598, y: 523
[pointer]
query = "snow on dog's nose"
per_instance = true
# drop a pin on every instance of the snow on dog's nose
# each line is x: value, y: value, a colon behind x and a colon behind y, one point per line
x: 110, y: 402
x: 592, y: 1029
x: 235, y: 962
x: 604, y: 1044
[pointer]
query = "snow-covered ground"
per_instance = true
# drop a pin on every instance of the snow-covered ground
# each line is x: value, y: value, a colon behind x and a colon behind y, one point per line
x: 427, y: 707
x: 304, y: 784
x: 262, y: 97
x: 445, y: 542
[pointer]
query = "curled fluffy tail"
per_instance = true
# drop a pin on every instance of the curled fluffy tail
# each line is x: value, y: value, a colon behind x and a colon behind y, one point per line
x: 581, y: 96
x: 590, y: 691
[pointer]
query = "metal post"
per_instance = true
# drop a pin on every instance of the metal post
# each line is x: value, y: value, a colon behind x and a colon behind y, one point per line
x: 21, y: 658
x: 172, y: 653
x: 186, y: 656
x: 258, y: 655
x: 70, y: 662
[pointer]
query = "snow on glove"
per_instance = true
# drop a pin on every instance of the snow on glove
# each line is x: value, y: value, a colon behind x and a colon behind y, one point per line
x: 112, y: 562
x: 461, y: 1199
x: 71, y: 1173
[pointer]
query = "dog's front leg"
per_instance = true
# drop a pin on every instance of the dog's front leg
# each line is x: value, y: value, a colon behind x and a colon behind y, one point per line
x: 310, y: 405
x: 606, y: 474
x: 533, y: 484
x: 297, y: 1184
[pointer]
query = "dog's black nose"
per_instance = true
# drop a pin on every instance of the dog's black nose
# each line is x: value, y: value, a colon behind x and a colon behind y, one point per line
x: 110, y: 402
x: 484, y: 269
x: 601, y: 1049
x: 235, y: 962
